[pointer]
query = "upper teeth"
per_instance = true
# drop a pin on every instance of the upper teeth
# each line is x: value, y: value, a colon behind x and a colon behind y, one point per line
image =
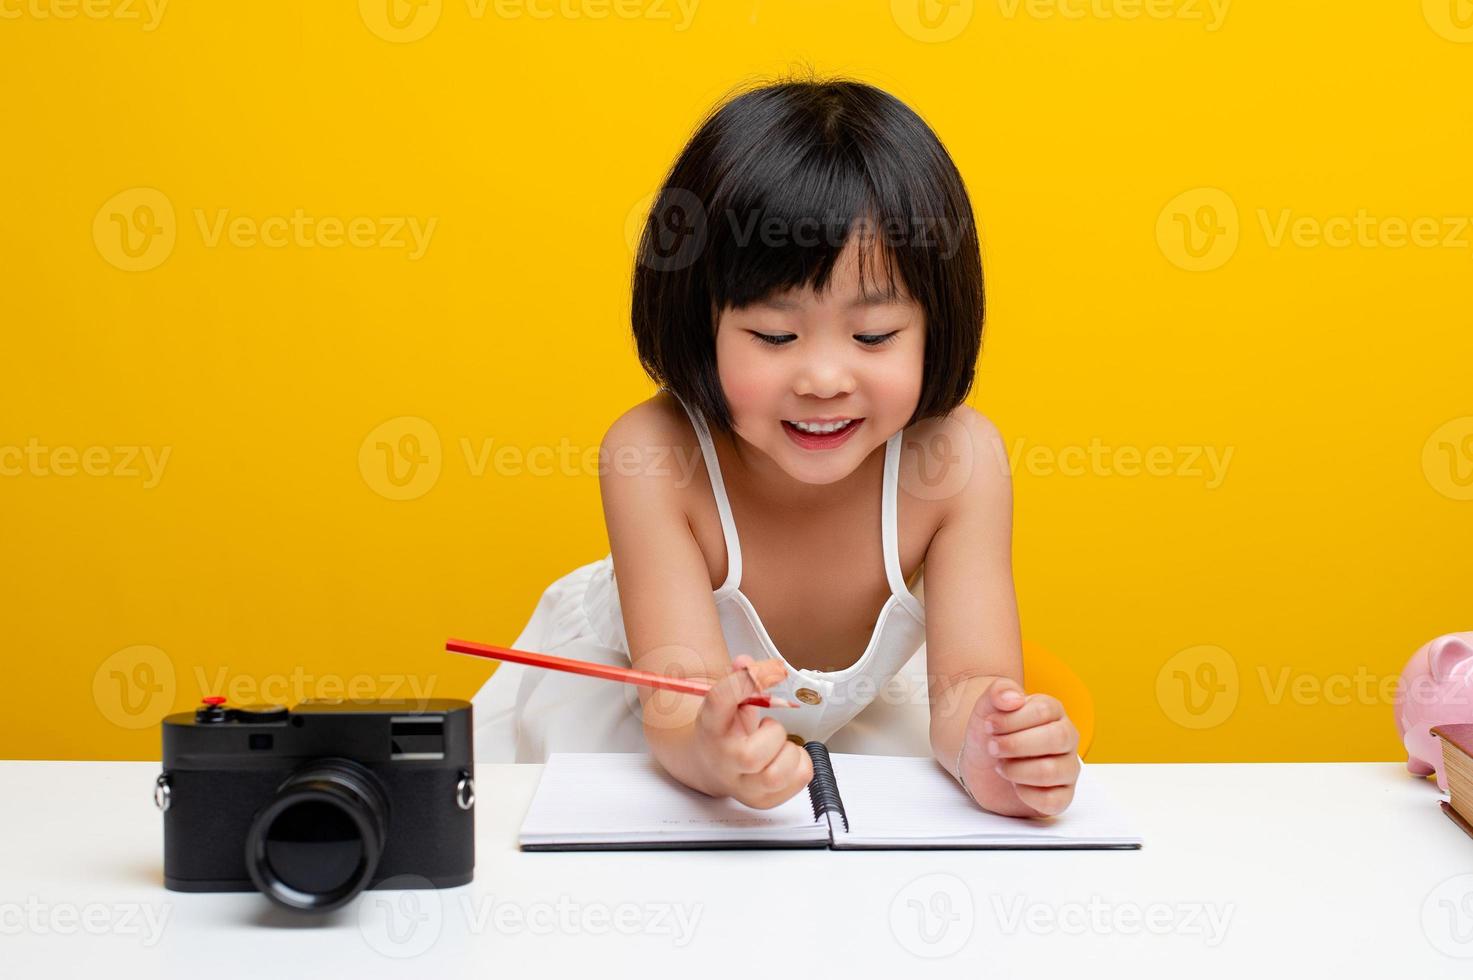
x: 821, y: 427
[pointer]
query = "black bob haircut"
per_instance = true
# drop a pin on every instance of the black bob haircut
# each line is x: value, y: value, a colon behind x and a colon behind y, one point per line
x: 765, y: 196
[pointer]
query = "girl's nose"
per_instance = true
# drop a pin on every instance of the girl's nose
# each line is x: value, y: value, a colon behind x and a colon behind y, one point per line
x: 825, y: 382
x: 825, y: 373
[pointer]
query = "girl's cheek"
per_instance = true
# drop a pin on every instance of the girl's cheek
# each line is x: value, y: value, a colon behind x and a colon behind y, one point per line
x: 899, y: 384
x: 751, y: 386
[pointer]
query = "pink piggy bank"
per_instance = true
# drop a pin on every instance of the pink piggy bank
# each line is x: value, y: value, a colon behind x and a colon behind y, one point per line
x: 1436, y: 689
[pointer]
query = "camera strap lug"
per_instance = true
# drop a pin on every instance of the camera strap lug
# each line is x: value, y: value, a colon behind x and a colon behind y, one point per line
x: 465, y: 791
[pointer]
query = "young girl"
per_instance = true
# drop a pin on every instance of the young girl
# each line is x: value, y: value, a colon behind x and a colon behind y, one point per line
x: 808, y: 295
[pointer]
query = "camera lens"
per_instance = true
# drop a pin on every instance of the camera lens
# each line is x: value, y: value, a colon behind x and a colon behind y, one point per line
x: 318, y: 841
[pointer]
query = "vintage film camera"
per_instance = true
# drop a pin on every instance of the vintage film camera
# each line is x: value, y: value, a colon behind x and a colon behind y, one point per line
x: 312, y: 805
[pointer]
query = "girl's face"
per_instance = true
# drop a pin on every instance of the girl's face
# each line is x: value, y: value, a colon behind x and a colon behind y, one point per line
x: 838, y: 356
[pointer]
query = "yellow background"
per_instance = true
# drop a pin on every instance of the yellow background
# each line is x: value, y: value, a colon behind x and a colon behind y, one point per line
x: 270, y: 551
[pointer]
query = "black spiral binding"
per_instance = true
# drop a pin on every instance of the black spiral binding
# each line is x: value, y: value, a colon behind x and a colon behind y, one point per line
x: 824, y: 789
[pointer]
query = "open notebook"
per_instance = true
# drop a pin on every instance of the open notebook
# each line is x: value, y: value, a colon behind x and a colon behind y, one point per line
x: 614, y: 800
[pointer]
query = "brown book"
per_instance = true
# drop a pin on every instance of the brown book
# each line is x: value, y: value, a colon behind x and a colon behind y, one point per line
x: 1457, y: 766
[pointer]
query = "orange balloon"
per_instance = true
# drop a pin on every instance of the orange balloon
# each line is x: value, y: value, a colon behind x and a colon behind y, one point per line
x: 1045, y: 673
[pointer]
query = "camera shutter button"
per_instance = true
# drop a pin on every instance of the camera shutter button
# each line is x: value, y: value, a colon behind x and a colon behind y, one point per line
x: 212, y: 710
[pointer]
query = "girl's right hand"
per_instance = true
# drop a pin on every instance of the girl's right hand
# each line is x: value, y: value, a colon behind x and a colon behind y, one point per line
x: 749, y: 756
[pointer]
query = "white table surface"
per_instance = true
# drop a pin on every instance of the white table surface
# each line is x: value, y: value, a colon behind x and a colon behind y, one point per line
x: 1248, y: 870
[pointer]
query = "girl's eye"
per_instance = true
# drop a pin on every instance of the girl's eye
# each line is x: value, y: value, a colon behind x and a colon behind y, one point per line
x: 868, y: 339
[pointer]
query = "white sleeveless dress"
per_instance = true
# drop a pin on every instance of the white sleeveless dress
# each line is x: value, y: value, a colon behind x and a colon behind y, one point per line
x: 879, y: 704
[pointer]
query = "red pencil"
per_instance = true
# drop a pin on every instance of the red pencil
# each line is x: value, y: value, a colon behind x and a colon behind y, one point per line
x: 627, y: 675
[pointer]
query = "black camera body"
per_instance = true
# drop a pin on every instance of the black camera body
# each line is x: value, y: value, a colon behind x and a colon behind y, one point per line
x: 312, y: 805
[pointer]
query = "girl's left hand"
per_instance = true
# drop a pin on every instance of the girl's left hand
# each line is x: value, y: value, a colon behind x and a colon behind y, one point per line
x: 1030, y: 740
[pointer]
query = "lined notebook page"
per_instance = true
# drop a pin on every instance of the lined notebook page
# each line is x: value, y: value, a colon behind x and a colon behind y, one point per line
x: 626, y: 798
x: 913, y: 802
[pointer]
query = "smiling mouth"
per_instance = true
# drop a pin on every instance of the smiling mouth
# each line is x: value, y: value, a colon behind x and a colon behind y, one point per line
x: 822, y: 428
x: 821, y: 440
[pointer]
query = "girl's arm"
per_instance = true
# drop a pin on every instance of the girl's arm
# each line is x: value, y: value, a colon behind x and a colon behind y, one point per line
x: 711, y: 744
x: 974, y: 650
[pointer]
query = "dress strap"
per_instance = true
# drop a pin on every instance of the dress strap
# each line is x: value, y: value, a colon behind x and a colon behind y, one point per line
x: 890, y: 526
x: 723, y: 505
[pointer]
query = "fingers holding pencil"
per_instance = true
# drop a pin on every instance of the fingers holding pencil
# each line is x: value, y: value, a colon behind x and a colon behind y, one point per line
x: 750, y: 755
x: 723, y: 705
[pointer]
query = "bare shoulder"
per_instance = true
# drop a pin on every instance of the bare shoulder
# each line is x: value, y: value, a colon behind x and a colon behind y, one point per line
x: 956, y: 461
x: 657, y: 421
x: 647, y: 451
